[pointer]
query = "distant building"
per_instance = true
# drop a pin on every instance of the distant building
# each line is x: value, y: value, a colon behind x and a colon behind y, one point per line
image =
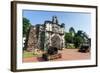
x: 50, y: 33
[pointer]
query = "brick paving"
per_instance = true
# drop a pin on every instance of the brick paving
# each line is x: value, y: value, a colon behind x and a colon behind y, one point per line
x: 67, y: 54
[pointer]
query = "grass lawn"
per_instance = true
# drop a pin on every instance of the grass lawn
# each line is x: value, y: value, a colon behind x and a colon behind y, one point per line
x: 70, y: 46
x: 29, y: 54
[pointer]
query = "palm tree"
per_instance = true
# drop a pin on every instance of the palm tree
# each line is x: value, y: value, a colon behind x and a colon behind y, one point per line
x: 84, y: 36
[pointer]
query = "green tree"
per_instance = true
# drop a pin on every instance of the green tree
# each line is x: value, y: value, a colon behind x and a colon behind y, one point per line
x: 72, y: 31
x: 75, y: 38
x: 83, y: 35
x: 26, y: 25
x: 80, y: 33
x: 78, y: 40
x: 68, y: 38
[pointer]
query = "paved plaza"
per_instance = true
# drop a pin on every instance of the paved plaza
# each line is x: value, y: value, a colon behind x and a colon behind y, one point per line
x: 67, y: 54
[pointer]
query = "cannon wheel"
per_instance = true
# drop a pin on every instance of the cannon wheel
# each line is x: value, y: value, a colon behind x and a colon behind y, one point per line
x: 45, y: 57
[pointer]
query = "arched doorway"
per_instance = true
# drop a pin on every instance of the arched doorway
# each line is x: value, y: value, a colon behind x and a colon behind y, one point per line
x: 55, y: 41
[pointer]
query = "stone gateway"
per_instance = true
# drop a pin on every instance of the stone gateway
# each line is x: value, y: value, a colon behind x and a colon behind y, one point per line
x: 42, y: 36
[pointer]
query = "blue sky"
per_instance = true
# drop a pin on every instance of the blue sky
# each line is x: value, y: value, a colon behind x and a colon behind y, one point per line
x: 79, y: 21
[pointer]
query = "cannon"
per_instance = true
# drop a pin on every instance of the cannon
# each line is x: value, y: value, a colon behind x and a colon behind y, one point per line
x: 51, y: 53
x: 84, y: 48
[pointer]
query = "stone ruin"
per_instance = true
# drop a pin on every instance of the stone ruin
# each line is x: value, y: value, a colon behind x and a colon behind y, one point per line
x: 41, y: 36
x: 31, y: 39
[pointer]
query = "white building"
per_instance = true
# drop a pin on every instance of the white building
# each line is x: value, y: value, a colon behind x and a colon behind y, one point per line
x: 50, y: 33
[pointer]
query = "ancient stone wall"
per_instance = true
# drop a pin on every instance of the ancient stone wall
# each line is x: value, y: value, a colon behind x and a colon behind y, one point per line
x: 41, y: 35
x: 32, y: 39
